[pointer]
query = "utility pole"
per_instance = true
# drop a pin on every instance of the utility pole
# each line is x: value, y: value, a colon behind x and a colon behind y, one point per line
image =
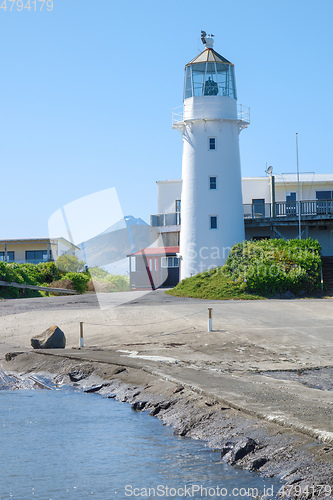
x: 298, y: 194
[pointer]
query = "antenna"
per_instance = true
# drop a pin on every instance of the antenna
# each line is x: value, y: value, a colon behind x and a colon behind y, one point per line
x: 269, y: 170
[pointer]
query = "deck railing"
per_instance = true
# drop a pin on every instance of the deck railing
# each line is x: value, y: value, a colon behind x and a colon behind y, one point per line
x: 172, y: 219
x: 278, y: 210
x: 288, y: 209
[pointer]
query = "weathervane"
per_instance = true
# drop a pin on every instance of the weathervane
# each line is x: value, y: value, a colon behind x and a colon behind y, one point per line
x: 203, y: 36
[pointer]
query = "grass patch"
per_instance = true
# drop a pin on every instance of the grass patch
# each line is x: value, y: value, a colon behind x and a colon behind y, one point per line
x: 213, y: 285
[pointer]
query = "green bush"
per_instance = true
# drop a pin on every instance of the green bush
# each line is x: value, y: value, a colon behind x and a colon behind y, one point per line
x: 257, y: 269
x: 18, y: 273
x: 270, y: 267
x: 104, y: 282
x: 79, y: 280
x: 70, y: 264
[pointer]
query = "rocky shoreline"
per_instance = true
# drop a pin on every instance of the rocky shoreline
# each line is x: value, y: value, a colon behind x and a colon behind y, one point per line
x: 303, y: 465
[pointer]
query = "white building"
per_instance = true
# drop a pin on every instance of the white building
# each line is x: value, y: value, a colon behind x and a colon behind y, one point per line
x: 271, y: 207
x: 210, y: 122
x: 35, y: 250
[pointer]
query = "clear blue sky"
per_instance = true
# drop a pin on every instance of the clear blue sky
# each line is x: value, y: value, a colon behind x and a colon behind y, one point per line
x: 87, y: 92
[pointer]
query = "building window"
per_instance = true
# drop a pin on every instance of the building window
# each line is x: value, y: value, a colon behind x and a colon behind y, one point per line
x: 212, y: 143
x: 213, y: 182
x: 258, y: 207
x: 167, y: 262
x: 133, y: 264
x: 213, y: 221
x: 178, y: 206
x: 324, y: 195
x: 36, y: 256
x: 10, y: 256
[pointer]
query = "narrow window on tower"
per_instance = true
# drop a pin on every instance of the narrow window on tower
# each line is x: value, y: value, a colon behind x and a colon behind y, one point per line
x: 213, y: 182
x: 213, y: 221
x: 212, y: 143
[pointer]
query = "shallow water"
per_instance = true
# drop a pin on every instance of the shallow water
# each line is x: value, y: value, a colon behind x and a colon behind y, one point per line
x: 64, y: 444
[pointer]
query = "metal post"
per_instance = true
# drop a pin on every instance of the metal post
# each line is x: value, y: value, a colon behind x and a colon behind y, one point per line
x: 81, y: 334
x: 273, y: 195
x: 298, y: 194
x: 210, y: 319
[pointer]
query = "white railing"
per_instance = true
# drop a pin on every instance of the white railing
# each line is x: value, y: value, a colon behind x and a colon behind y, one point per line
x: 177, y: 114
x: 243, y: 114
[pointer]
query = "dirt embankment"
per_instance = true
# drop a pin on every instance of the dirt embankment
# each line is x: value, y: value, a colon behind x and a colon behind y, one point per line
x: 303, y: 465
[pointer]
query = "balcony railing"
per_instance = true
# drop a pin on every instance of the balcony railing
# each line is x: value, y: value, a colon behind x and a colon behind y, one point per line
x: 172, y: 219
x: 288, y: 209
x: 202, y: 111
x: 279, y: 210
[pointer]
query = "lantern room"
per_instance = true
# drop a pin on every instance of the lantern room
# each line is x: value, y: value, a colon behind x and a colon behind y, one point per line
x: 209, y: 74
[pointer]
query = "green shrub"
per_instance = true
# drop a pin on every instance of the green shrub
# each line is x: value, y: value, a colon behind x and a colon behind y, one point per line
x: 79, y: 280
x: 257, y: 269
x: 70, y: 264
x: 276, y: 266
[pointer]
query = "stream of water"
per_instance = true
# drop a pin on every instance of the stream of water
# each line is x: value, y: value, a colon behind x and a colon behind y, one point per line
x: 65, y: 444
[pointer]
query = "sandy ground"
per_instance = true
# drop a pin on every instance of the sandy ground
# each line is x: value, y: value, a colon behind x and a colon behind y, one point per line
x: 270, y: 360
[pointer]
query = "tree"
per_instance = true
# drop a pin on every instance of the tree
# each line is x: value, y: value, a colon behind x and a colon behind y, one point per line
x: 70, y: 264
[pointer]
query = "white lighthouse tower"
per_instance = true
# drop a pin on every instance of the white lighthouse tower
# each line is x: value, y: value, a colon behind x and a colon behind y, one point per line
x: 212, y: 219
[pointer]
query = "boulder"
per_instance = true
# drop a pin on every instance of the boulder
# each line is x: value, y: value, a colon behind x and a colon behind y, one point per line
x: 52, y: 338
x: 139, y: 405
x: 239, y: 451
x: 258, y: 463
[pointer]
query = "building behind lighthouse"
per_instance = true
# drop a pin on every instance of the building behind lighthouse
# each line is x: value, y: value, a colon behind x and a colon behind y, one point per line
x: 210, y: 121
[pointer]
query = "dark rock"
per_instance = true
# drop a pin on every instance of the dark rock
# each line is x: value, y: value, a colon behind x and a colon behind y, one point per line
x: 139, y: 405
x: 243, y: 448
x: 226, y: 449
x: 136, y: 394
x: 95, y: 388
x: 10, y: 355
x: 258, y: 463
x: 77, y: 375
x: 120, y: 370
x: 240, y: 450
x: 52, y: 338
x: 164, y: 405
x: 211, y: 403
x: 179, y: 388
x: 112, y: 396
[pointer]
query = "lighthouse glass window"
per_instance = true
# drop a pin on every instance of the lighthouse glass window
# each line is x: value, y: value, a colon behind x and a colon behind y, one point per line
x: 209, y: 79
x: 212, y: 143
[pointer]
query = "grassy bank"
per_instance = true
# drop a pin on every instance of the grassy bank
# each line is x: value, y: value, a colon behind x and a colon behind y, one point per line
x: 51, y: 274
x: 260, y: 269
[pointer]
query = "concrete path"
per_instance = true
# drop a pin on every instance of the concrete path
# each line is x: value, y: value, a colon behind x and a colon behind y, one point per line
x: 167, y: 336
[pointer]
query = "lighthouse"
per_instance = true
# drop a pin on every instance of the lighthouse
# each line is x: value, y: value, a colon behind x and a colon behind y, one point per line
x: 210, y: 121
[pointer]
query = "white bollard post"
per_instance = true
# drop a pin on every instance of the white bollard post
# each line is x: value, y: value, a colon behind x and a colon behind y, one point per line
x: 81, y: 334
x: 210, y: 319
